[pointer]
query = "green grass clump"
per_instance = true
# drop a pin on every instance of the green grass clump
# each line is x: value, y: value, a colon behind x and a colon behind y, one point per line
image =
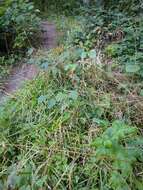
x: 64, y: 130
x: 78, y: 125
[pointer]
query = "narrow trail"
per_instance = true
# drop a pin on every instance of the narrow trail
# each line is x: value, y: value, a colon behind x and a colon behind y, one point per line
x: 49, y: 35
x: 23, y: 72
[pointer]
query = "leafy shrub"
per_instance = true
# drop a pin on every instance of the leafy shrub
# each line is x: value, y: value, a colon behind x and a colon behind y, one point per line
x: 116, y: 33
x: 62, y: 6
x: 4, y: 5
x: 17, y: 24
x: 60, y: 132
x: 67, y: 129
x: 116, y: 148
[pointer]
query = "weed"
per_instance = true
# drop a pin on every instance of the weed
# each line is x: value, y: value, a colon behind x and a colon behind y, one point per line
x: 78, y: 125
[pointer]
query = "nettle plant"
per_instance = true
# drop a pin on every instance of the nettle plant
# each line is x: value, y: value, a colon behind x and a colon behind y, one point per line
x: 116, y: 33
x: 18, y: 23
x: 118, y: 149
x: 128, y: 51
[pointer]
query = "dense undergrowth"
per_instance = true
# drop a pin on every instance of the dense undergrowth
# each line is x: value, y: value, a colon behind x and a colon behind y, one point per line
x: 78, y: 125
x: 19, y: 24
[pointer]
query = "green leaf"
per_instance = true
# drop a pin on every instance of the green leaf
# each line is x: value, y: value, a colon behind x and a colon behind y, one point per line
x: 73, y: 94
x: 139, y: 185
x: 25, y: 187
x: 70, y: 67
x: 141, y: 92
x: 83, y: 55
x: 45, y: 65
x: 132, y: 68
x: 51, y: 103
x: 42, y: 99
x: 30, y: 7
x: 41, y: 181
x: 30, y: 51
x: 11, y: 181
x: 92, y: 54
x: 19, y: 18
x: 37, y: 10
x: 108, y: 144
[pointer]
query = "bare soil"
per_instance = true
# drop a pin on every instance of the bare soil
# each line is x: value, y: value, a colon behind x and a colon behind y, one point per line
x: 23, y: 72
x: 49, y: 35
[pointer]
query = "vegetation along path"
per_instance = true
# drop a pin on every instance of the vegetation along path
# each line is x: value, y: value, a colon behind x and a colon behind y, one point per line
x: 23, y: 72
x: 71, y: 108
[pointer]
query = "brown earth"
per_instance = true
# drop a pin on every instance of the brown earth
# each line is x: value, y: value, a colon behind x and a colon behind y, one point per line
x: 49, y: 35
x: 23, y: 72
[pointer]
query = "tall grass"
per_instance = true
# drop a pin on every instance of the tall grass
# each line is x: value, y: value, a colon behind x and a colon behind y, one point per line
x: 75, y: 126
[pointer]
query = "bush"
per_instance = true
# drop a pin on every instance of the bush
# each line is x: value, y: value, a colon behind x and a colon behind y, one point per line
x: 58, y: 6
x: 17, y: 24
x: 4, y: 5
x: 118, y: 34
x: 76, y: 126
x: 60, y: 132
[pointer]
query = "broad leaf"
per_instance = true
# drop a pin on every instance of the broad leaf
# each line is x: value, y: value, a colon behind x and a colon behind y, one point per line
x: 73, y: 94
x: 42, y: 99
x: 92, y: 54
x: 132, y: 68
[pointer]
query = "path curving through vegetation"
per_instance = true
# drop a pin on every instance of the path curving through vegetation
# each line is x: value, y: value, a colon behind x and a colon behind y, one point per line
x: 49, y: 35
x: 23, y: 72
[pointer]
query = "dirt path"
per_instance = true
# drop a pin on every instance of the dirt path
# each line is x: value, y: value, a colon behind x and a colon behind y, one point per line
x: 23, y: 72
x: 49, y: 37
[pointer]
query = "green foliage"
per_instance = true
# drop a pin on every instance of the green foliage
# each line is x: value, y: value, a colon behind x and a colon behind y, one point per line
x: 77, y: 126
x: 17, y: 24
x: 116, y: 33
x: 113, y: 149
x: 3, y: 7
x: 60, y: 131
x: 58, y: 6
